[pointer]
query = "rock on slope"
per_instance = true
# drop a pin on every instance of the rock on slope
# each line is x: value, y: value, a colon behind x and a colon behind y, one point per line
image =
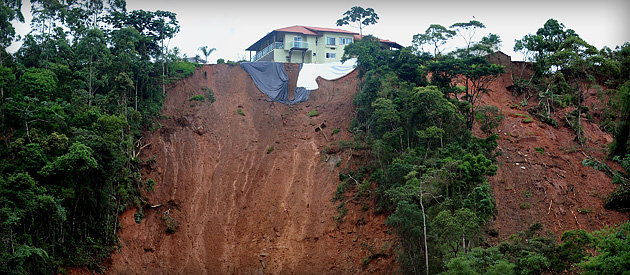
x: 251, y: 192
x: 549, y: 184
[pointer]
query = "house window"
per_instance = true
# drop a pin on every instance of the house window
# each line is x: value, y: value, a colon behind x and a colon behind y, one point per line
x: 331, y: 41
x: 331, y: 55
x: 297, y: 42
x: 345, y: 41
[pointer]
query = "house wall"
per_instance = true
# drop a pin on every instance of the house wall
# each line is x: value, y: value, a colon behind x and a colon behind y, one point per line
x: 337, y: 49
x: 316, y: 52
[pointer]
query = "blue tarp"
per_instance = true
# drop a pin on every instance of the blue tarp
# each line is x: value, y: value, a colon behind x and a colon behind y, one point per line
x: 270, y: 78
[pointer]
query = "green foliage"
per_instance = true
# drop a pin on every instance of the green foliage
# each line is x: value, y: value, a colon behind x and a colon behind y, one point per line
x: 436, y: 36
x: 269, y: 149
x: 171, y: 224
x: 489, y: 117
x: 220, y: 61
x: 206, y: 52
x: 621, y: 146
x: 360, y: 17
x: 74, y: 102
x: 313, y: 113
x: 613, y: 249
x: 458, y: 232
x: 179, y: 70
x: 240, y: 112
x: 480, y: 261
x: 199, y: 98
x: 209, y: 94
x: 540, y: 150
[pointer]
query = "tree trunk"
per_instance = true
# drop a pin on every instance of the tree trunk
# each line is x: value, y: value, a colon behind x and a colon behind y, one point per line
x: 424, y: 229
x: 579, y: 118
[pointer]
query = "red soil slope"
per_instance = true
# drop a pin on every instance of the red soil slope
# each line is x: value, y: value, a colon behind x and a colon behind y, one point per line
x: 243, y: 207
x: 552, y: 187
x: 251, y: 193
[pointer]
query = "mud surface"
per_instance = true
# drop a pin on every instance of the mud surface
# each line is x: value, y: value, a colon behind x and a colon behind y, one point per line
x: 251, y: 192
x: 541, y: 177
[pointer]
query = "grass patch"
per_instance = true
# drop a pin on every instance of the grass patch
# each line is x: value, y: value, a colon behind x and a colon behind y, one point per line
x: 584, y: 210
x: 525, y: 205
x: 270, y: 149
x: 313, y: 113
x: 240, y: 112
x: 335, y: 131
x: 527, y: 118
x: 540, y: 150
x: 209, y: 94
x: 199, y: 98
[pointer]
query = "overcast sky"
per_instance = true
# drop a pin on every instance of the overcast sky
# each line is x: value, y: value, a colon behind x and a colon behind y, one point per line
x: 231, y: 26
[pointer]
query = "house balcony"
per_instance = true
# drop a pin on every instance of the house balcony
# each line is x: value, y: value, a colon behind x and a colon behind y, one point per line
x: 299, y: 45
x: 269, y: 49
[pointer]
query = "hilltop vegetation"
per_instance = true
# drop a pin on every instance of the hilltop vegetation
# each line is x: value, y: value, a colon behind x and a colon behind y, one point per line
x: 416, y: 111
x: 91, y: 76
x: 74, y: 99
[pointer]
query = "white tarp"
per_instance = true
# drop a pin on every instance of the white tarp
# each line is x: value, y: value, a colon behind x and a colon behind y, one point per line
x: 329, y: 71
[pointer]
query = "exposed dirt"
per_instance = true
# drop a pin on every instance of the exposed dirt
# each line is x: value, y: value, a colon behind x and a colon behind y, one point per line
x: 251, y: 193
x: 549, y: 185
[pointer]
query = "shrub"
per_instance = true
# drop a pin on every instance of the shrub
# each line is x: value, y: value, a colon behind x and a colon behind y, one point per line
x: 199, y: 98
x: 181, y: 69
x: 335, y: 131
x: 209, y: 94
x: 540, y: 150
x: 138, y: 216
x: 220, y: 61
x: 240, y: 112
x: 171, y: 224
x: 270, y: 149
x: 489, y: 118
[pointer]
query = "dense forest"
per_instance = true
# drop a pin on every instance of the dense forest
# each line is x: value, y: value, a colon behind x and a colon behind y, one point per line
x: 415, y: 113
x: 91, y: 76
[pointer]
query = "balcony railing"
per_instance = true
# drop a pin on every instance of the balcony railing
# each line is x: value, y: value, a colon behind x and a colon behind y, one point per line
x: 299, y: 44
x: 266, y: 50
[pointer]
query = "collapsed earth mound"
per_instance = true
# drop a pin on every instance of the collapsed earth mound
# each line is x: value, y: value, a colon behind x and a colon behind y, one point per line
x: 245, y: 185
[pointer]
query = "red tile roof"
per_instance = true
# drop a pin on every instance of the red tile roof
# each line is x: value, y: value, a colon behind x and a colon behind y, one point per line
x: 329, y: 30
x: 296, y: 29
x: 317, y: 31
x: 311, y: 30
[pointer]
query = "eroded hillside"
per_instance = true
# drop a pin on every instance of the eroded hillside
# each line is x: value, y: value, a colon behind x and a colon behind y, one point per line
x: 250, y: 190
x: 541, y: 177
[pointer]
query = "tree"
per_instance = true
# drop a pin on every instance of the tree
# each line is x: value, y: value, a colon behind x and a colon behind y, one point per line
x: 9, y: 11
x: 545, y: 43
x: 575, y: 58
x: 360, y: 17
x: 467, y: 30
x: 436, y: 35
x: 92, y: 52
x: 622, y: 134
x: 206, y: 52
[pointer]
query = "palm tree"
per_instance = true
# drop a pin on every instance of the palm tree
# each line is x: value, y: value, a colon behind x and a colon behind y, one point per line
x: 206, y: 52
